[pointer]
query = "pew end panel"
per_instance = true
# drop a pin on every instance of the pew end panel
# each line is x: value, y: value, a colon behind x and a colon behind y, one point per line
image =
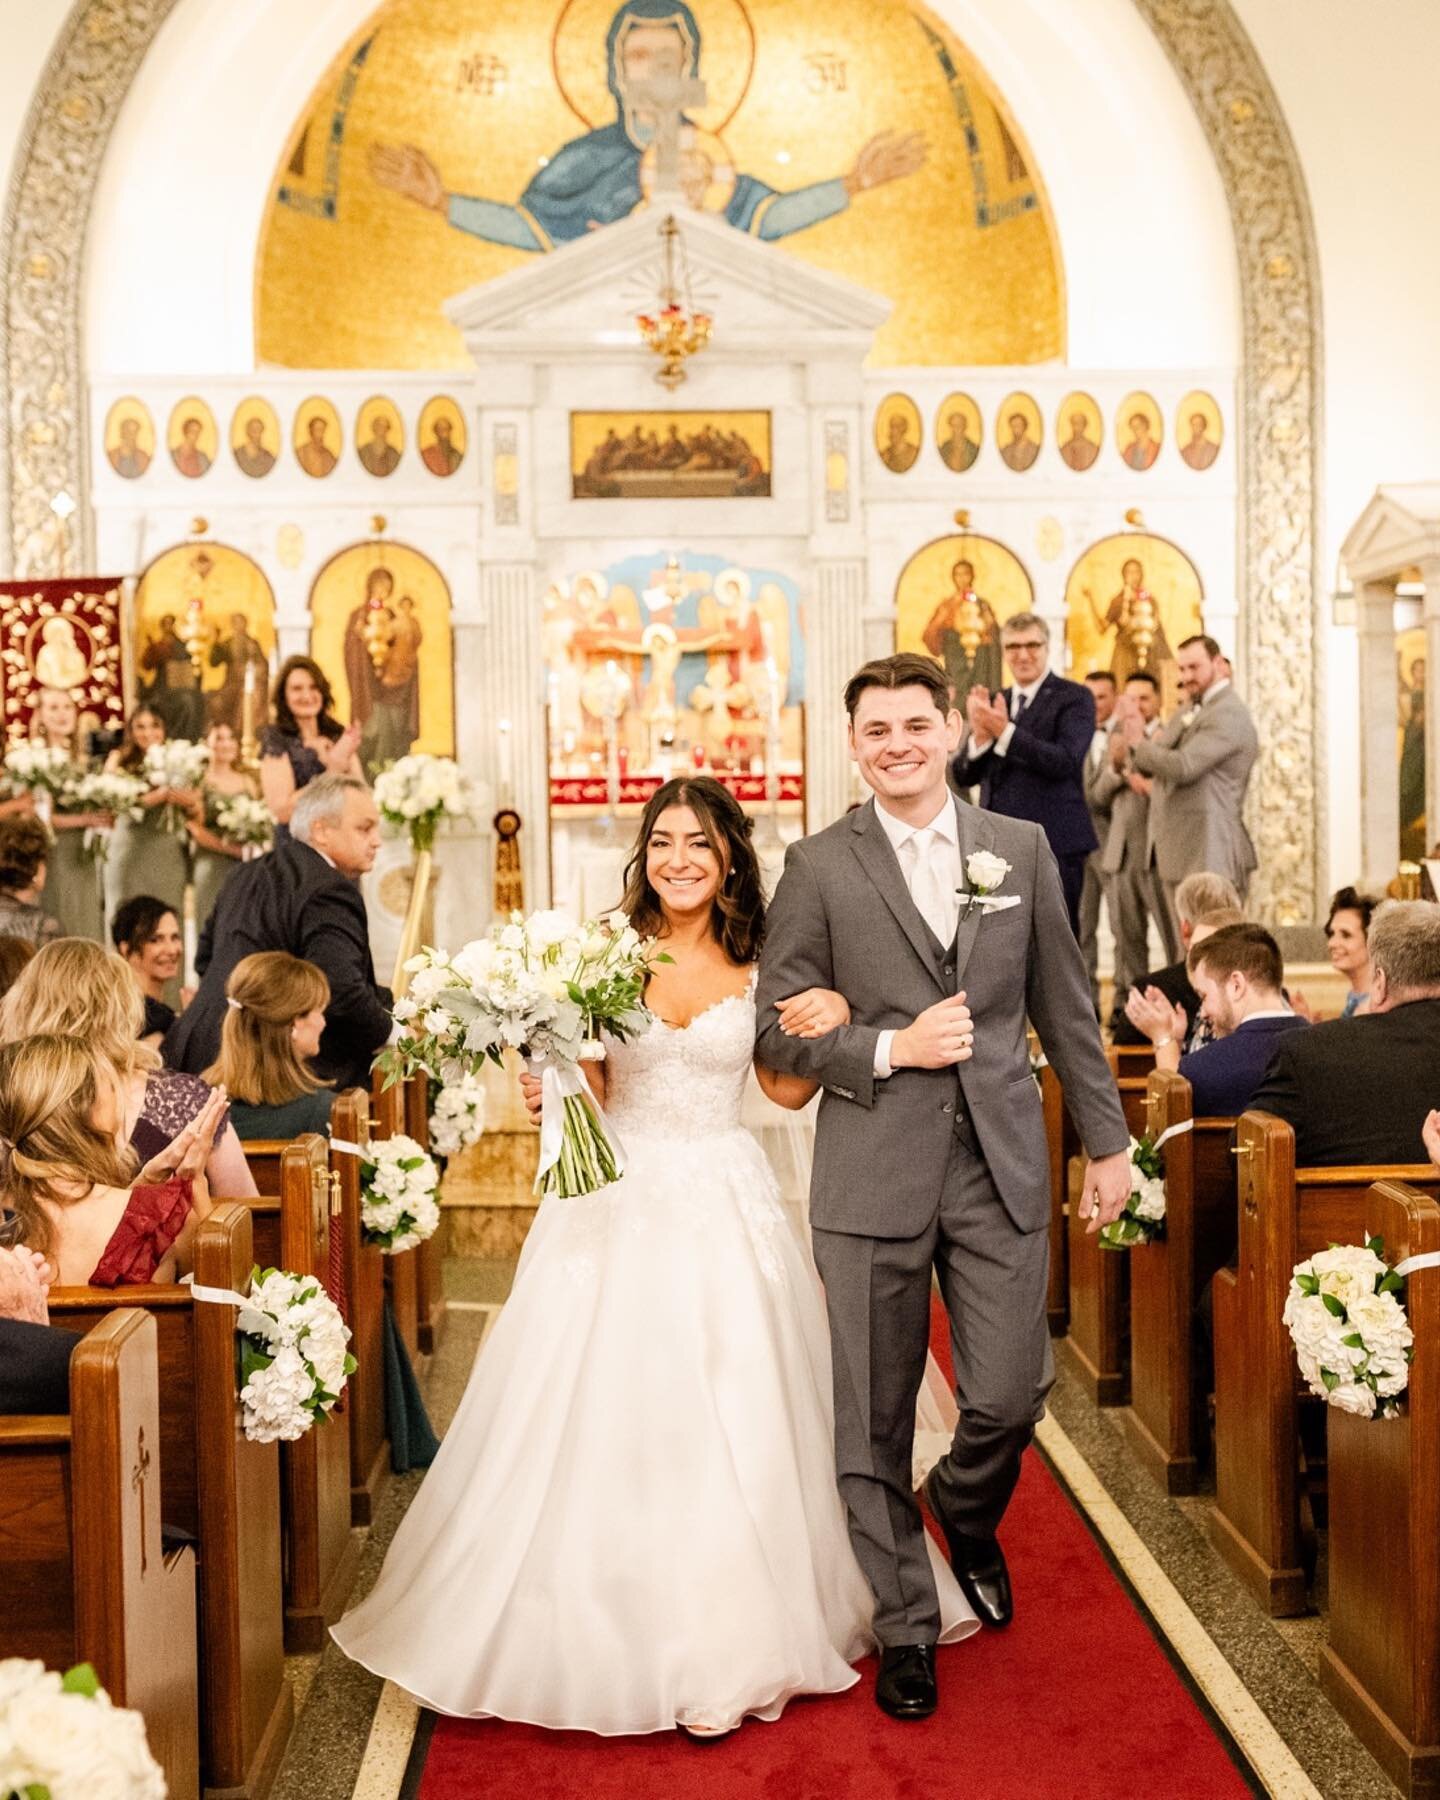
x: 263, y: 1155
x: 1061, y: 1144
x: 1097, y: 1347
x: 365, y: 1287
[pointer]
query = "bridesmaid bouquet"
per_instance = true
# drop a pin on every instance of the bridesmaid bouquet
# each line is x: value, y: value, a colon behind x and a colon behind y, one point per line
x: 63, y: 1736
x: 418, y: 793
x: 546, y: 986
x: 177, y: 763
x: 37, y: 769
x: 99, y: 791
x: 241, y: 819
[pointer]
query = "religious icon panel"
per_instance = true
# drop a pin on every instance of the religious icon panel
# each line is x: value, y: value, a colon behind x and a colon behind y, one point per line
x: 1198, y: 429
x: 897, y: 432
x: 380, y: 629
x: 379, y: 436
x: 192, y: 438
x: 317, y: 437
x: 959, y: 432
x: 442, y: 435
x: 255, y: 437
x: 1019, y: 431
x: 129, y: 438
x: 952, y: 597
x: 670, y: 455
x: 63, y: 634
x: 203, y: 631
x: 1129, y: 602
x: 1410, y: 673
x: 1139, y: 430
x: 1079, y: 431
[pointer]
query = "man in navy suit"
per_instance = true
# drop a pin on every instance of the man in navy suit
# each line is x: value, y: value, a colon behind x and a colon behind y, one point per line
x: 1027, y: 745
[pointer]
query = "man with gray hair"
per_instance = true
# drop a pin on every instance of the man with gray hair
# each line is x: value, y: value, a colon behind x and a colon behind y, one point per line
x: 1359, y: 1090
x: 304, y: 898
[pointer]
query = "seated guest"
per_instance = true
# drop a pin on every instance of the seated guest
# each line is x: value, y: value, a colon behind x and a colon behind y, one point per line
x: 147, y: 934
x: 1360, y: 1090
x: 14, y: 954
x: 70, y: 1179
x: 1345, y: 937
x: 1203, y: 902
x: 274, y: 1018
x: 75, y: 987
x: 1430, y: 1137
x: 303, y: 898
x: 1239, y: 975
x: 24, y: 847
x: 34, y: 1355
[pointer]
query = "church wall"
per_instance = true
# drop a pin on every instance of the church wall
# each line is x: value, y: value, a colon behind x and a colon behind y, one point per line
x: 27, y: 31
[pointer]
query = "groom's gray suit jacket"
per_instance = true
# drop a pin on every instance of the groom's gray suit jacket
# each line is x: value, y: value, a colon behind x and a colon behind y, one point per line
x: 842, y: 918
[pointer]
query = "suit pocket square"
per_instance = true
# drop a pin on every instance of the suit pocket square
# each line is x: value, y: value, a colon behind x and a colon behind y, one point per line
x: 1002, y: 903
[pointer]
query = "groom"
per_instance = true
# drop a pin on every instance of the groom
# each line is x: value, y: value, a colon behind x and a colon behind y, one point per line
x: 944, y: 928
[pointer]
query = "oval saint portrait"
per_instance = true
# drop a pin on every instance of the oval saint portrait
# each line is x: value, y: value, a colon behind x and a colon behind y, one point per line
x: 1079, y: 432
x: 1139, y: 430
x: 317, y: 437
x: 129, y: 438
x: 192, y: 438
x: 897, y: 432
x: 958, y: 432
x: 1198, y: 429
x: 255, y: 437
x: 379, y: 436
x: 1018, y: 431
x: 442, y: 435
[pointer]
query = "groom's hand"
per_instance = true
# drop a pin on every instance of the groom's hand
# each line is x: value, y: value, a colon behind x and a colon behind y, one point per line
x: 1105, y: 1190
x: 942, y: 1035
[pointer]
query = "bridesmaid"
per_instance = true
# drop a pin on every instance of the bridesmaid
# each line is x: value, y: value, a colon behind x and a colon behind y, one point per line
x: 214, y: 857
x: 305, y: 740
x: 148, y: 857
x: 72, y: 889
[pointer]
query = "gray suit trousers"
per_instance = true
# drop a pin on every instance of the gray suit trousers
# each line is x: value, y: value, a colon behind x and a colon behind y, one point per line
x: 993, y: 1280
x: 1137, y: 896
x: 1096, y: 889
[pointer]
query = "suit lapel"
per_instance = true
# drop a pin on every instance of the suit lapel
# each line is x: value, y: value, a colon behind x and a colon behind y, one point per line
x: 879, y: 862
x: 976, y: 833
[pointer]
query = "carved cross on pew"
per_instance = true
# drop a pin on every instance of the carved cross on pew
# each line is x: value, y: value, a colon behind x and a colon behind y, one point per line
x: 138, y: 1479
x: 665, y: 98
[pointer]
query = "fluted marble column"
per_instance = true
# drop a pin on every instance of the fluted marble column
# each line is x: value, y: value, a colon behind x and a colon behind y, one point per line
x: 1379, y: 787
x: 834, y: 649
x: 1430, y: 576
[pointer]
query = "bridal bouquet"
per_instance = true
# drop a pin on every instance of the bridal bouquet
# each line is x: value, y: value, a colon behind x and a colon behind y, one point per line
x: 548, y: 986
x: 62, y: 1738
x: 293, y: 1359
x: 457, y: 1116
x: 418, y: 793
x: 1352, y: 1339
x: 398, y: 1181
x: 37, y: 769
x: 1144, y: 1216
x: 177, y: 763
x: 241, y: 819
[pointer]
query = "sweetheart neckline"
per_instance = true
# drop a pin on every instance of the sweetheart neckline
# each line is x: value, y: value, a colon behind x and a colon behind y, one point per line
x: 746, y: 993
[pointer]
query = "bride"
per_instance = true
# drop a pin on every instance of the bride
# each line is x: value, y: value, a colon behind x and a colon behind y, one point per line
x: 633, y: 1522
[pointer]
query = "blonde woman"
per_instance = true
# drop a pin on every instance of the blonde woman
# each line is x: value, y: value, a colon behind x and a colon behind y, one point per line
x: 274, y: 1015
x: 75, y: 988
x: 72, y: 890
x: 70, y: 1176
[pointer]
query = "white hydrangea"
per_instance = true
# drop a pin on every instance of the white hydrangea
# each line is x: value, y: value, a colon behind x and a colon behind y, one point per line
x: 457, y: 1118
x: 1352, y: 1342
x: 418, y: 793
x: 295, y: 1358
x: 398, y: 1205
x: 73, y: 1746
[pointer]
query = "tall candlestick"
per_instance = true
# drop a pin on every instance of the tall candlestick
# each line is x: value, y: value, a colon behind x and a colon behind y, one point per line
x: 507, y: 761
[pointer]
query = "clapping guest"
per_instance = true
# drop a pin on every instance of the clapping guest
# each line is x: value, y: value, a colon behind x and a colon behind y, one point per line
x: 147, y: 856
x: 24, y: 847
x: 274, y: 1018
x: 34, y: 1354
x: 215, y: 858
x: 72, y: 884
x: 304, y: 740
x: 1204, y: 903
x: 147, y: 934
x: 1430, y: 1136
x: 1347, y: 937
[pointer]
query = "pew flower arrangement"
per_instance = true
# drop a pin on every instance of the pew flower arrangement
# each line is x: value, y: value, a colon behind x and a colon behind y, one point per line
x: 294, y: 1364
x: 398, y: 1183
x: 457, y: 1116
x: 419, y: 793
x: 548, y: 986
x: 62, y: 1738
x: 1351, y: 1334
x: 1144, y: 1216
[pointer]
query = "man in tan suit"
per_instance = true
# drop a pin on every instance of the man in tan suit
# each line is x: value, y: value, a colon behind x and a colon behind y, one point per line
x: 1122, y: 795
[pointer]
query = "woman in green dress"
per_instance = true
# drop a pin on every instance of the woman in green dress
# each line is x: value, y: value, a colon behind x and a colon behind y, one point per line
x: 72, y: 889
x: 151, y: 855
x: 213, y: 857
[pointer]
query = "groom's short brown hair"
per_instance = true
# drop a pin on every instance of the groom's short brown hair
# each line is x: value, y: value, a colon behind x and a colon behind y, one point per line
x: 908, y: 669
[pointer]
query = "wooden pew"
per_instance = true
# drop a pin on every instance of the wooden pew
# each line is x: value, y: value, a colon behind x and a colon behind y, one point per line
x: 429, y: 1275
x: 225, y: 1490
x: 1095, y: 1347
x: 1165, y: 1422
x: 263, y: 1155
x: 1285, y: 1214
x: 1134, y: 1059
x: 1061, y: 1144
x: 82, y: 1575
x: 402, y: 1273
x: 1381, y: 1666
x: 365, y: 1289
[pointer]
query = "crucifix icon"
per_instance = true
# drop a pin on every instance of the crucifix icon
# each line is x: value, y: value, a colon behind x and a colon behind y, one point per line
x: 664, y: 98
x: 138, y: 1477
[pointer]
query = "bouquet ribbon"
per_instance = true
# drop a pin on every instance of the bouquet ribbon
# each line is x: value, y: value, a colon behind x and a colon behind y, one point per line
x: 1430, y: 1259
x: 559, y: 1082
x: 1174, y: 1130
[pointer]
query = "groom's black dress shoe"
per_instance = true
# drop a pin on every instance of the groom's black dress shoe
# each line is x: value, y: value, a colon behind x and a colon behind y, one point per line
x: 979, y: 1565
x: 905, y: 1687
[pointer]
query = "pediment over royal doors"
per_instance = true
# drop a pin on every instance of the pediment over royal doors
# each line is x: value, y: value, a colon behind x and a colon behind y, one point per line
x: 579, y: 303
x: 1400, y: 527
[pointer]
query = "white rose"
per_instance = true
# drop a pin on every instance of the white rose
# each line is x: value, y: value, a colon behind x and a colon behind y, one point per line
x: 512, y: 937
x: 1381, y: 1321
x: 1353, y: 1397
x: 1150, y: 1201
x: 618, y: 921
x: 543, y: 930
x: 985, y: 871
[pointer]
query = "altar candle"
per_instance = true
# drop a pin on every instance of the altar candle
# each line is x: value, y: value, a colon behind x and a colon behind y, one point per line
x: 507, y: 764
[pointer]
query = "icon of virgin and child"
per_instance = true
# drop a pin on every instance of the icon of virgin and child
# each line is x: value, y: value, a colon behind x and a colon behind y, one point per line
x: 653, y: 70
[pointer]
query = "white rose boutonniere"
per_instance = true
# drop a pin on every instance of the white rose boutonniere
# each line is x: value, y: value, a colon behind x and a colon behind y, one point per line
x: 985, y: 871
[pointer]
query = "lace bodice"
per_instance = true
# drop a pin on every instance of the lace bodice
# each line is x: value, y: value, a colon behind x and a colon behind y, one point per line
x: 684, y: 1083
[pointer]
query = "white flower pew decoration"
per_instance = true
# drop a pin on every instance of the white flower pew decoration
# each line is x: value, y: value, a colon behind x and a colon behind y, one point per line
x: 1143, y: 1219
x: 293, y: 1359
x: 63, y: 1738
x: 1346, y: 1316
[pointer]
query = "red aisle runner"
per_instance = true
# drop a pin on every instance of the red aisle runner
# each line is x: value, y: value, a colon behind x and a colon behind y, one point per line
x: 1075, y: 1701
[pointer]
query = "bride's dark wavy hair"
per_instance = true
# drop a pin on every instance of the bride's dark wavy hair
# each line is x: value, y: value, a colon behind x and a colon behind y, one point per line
x: 738, y: 915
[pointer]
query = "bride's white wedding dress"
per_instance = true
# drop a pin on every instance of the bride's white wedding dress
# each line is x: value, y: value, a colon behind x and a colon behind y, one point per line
x: 633, y: 1521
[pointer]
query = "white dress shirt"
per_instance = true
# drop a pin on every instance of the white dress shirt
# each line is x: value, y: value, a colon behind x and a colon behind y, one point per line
x: 938, y: 844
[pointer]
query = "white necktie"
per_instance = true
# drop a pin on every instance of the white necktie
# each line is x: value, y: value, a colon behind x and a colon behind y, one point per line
x: 931, y: 886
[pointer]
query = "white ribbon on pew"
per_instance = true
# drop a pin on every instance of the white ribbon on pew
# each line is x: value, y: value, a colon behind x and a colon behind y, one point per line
x: 346, y: 1148
x: 1430, y: 1259
x: 216, y: 1296
x: 1173, y: 1131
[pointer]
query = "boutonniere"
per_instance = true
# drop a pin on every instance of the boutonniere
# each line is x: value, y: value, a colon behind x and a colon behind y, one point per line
x: 985, y: 872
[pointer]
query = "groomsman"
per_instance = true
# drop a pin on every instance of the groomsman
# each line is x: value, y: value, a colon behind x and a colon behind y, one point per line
x: 1101, y: 683
x: 1133, y: 885
x: 1027, y: 746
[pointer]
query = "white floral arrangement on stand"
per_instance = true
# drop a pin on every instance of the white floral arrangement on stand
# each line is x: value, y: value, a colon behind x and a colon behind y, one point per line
x: 457, y: 1116
x: 398, y: 1186
x: 546, y: 986
x: 1350, y: 1330
x: 243, y: 820
x: 419, y: 793
x: 37, y: 769
x: 63, y: 1738
x: 177, y: 763
x: 110, y: 791
x: 294, y: 1364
